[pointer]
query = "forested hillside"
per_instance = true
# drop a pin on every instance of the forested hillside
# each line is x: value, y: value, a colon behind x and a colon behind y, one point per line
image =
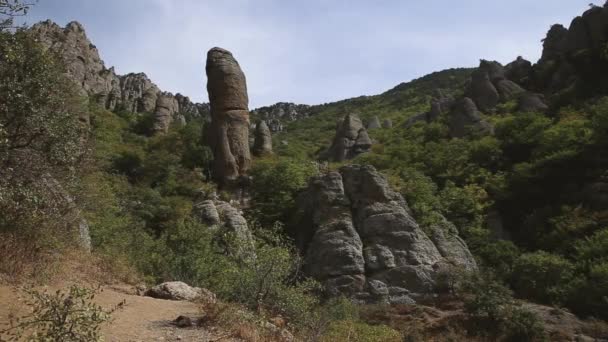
x: 467, y: 204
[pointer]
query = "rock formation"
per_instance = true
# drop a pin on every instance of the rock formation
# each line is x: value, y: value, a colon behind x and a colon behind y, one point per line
x: 440, y: 104
x: 280, y: 113
x: 360, y: 240
x: 132, y: 92
x: 351, y: 139
x: 177, y: 290
x: 387, y: 123
x: 519, y: 71
x: 373, y: 123
x: 482, y: 90
x: 465, y: 117
x: 229, y: 132
x: 531, y: 102
x: 262, y: 139
x: 223, y: 217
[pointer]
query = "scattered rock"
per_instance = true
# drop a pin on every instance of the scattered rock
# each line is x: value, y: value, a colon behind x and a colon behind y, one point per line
x: 229, y: 131
x: 263, y: 139
x: 351, y: 139
x: 388, y: 123
x: 177, y: 290
x: 281, y: 112
x: 360, y: 240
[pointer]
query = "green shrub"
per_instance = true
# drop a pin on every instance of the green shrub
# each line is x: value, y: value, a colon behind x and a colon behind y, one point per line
x: 275, y: 185
x: 61, y: 316
x: 542, y: 276
x: 349, y: 330
x: 522, y: 325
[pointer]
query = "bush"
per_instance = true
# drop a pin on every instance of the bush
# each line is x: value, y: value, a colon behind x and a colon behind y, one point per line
x: 542, y: 276
x: 349, y: 330
x: 275, y: 185
x: 522, y: 325
x: 63, y: 316
x: 486, y: 298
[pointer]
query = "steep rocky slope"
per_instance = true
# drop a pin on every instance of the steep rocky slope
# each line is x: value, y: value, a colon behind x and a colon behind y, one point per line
x: 133, y: 92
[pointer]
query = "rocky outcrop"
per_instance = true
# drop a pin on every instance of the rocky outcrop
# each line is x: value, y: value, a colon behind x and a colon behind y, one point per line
x: 482, y: 91
x: 224, y: 218
x: 519, y: 71
x: 360, y: 240
x: 351, y: 139
x: 262, y: 139
x: 387, y: 123
x: 373, y: 123
x: 440, y: 104
x: 133, y: 92
x: 280, y: 113
x: 531, y: 102
x: 229, y: 131
x: 177, y: 290
x: 465, y: 118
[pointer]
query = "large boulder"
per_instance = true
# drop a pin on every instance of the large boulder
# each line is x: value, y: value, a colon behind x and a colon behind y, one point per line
x: 262, y: 139
x: 360, y: 240
x: 465, y: 118
x: 177, y: 290
x: 229, y: 130
x: 531, y: 102
x: 519, y: 70
x: 351, y: 139
x: 495, y: 70
x: 373, y: 123
x: 508, y: 90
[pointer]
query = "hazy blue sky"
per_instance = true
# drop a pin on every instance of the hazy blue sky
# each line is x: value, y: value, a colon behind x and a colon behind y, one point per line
x: 309, y: 51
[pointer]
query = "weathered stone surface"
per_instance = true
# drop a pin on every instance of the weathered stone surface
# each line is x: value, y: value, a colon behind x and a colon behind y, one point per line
x: 482, y: 91
x: 229, y: 132
x: 177, y: 290
x: 166, y: 107
x: 360, y: 239
x: 531, y: 102
x: 495, y: 70
x: 387, y: 123
x: 132, y: 92
x: 373, y: 123
x: 465, y: 118
x: 508, y: 90
x: 222, y: 216
x: 351, y: 139
x: 554, y: 42
x: 263, y: 139
x: 440, y: 104
x: 519, y: 70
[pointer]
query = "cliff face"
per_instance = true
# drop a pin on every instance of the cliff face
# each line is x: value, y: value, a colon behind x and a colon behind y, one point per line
x: 133, y: 92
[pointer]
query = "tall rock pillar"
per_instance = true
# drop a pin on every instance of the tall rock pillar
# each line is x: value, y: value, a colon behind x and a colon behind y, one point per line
x: 229, y: 131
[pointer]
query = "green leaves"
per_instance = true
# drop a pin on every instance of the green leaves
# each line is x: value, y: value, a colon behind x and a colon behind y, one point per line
x: 70, y: 316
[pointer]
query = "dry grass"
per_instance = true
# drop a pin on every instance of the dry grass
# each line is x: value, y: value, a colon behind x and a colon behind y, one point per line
x: 24, y: 262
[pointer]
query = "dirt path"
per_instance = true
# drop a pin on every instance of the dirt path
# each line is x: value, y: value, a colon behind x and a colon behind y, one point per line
x: 140, y: 319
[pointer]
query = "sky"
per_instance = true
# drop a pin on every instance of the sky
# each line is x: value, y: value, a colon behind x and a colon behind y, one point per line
x: 309, y: 51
